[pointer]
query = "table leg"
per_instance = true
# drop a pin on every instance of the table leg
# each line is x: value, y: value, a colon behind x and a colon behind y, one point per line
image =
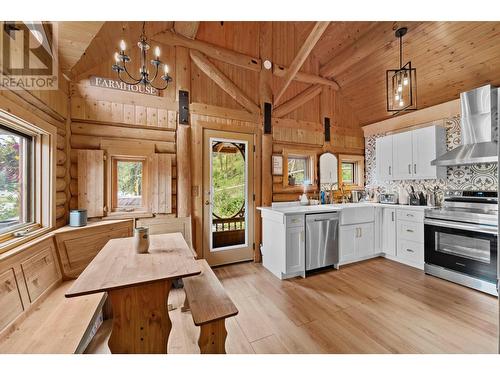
x: 140, y: 318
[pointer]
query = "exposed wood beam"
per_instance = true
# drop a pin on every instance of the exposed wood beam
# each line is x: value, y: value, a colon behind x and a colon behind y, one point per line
x: 280, y: 71
x: 187, y: 29
x: 298, y: 100
x: 377, y: 37
x: 304, y: 51
x: 222, y: 81
x: 211, y: 50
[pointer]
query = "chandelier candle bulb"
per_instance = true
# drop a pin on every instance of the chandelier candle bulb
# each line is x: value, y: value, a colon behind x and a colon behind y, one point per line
x: 123, y: 46
x: 157, y: 52
x: 165, y: 68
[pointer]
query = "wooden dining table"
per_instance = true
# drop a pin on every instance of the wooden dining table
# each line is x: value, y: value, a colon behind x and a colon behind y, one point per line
x: 138, y: 286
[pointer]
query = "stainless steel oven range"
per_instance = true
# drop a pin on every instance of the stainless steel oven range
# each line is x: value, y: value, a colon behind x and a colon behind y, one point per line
x: 461, y: 239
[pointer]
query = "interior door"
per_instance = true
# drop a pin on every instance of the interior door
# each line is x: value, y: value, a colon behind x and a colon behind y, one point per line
x: 228, y: 197
x: 402, y: 155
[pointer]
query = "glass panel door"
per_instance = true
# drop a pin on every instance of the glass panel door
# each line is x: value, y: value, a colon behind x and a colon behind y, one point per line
x: 228, y: 167
x: 228, y: 187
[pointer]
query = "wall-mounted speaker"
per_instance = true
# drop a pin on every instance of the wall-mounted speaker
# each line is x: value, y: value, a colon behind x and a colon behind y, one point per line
x: 183, y: 107
x: 268, y: 109
x: 327, y: 129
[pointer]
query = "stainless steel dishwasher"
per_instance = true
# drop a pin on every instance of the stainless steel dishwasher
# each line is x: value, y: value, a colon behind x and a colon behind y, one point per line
x: 322, y: 240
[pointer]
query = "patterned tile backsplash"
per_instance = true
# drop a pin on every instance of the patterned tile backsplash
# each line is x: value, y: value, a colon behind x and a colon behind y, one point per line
x: 464, y: 177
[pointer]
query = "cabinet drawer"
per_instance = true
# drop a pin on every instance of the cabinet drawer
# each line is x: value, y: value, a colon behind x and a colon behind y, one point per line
x: 10, y: 299
x: 411, y: 251
x: 295, y: 221
x: 410, y: 215
x: 411, y: 230
x: 40, y: 272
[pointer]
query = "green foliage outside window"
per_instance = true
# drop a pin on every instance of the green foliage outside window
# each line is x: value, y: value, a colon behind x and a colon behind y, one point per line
x: 228, y: 179
x: 10, y: 194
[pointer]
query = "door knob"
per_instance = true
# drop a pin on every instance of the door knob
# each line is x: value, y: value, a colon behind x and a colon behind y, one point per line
x: 207, y: 202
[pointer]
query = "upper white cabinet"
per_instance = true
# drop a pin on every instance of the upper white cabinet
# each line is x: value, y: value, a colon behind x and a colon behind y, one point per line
x: 383, y: 147
x: 411, y: 154
x: 402, y: 155
x: 428, y: 144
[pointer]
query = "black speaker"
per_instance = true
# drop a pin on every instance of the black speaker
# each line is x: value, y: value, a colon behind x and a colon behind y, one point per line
x: 327, y: 129
x: 268, y: 109
x: 183, y: 107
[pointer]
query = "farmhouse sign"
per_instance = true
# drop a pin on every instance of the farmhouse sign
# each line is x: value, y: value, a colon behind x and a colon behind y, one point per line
x: 114, y: 84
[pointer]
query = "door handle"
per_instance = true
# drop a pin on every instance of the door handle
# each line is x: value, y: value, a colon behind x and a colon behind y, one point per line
x: 414, y: 168
x: 361, y: 232
x: 409, y: 230
x: 207, y: 202
x: 357, y: 232
x: 389, y: 170
x: 392, y: 215
x: 410, y: 250
x: 409, y: 168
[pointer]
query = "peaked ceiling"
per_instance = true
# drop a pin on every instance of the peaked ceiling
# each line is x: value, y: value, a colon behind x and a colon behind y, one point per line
x: 450, y: 57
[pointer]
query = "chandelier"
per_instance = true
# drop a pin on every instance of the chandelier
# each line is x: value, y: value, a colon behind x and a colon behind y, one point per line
x: 121, y: 60
x: 401, y: 84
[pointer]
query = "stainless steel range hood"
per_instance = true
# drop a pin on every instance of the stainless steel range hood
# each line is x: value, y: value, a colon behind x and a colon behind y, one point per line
x: 479, y: 129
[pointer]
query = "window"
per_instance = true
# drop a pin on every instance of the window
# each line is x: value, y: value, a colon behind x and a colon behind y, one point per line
x: 352, y: 169
x: 27, y: 179
x: 298, y: 170
x: 16, y: 176
x: 348, y: 173
x: 128, y: 179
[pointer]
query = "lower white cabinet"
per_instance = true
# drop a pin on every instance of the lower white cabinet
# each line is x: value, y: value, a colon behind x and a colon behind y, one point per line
x: 410, y: 237
x: 389, y: 231
x: 356, y: 241
x: 295, y: 249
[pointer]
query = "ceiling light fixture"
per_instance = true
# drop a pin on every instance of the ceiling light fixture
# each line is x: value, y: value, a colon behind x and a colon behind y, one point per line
x: 401, y: 84
x: 121, y: 60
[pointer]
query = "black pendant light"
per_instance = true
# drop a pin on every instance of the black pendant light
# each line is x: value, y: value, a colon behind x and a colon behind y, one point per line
x: 145, y: 78
x: 401, y: 84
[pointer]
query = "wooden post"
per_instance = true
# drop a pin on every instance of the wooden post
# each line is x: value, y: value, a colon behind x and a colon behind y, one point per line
x: 265, y: 96
x: 182, y: 72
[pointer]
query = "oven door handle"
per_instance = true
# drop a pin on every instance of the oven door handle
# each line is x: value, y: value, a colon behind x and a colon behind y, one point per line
x: 463, y: 226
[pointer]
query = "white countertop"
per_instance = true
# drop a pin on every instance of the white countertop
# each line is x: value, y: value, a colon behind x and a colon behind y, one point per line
x: 294, y: 208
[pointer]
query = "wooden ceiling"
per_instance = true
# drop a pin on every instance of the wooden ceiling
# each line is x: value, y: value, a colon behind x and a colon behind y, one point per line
x: 450, y: 57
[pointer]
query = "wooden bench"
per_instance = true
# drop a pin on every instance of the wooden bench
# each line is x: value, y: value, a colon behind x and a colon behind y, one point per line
x: 210, y: 306
x: 57, y: 325
x: 35, y: 316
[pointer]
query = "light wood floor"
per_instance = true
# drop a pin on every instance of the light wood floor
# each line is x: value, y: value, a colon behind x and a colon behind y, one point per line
x: 377, y: 306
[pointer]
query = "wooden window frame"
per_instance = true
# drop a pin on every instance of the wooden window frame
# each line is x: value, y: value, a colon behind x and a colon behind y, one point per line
x: 300, y: 153
x: 145, y: 208
x: 359, y: 171
x: 44, y: 138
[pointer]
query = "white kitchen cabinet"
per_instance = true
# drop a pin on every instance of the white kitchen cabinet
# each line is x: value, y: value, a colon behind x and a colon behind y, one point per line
x: 410, y: 237
x: 295, y: 250
x: 389, y: 231
x: 408, y: 155
x: 383, y: 150
x: 427, y: 144
x: 366, y: 240
x: 402, y: 155
x: 348, y: 235
x: 356, y: 242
